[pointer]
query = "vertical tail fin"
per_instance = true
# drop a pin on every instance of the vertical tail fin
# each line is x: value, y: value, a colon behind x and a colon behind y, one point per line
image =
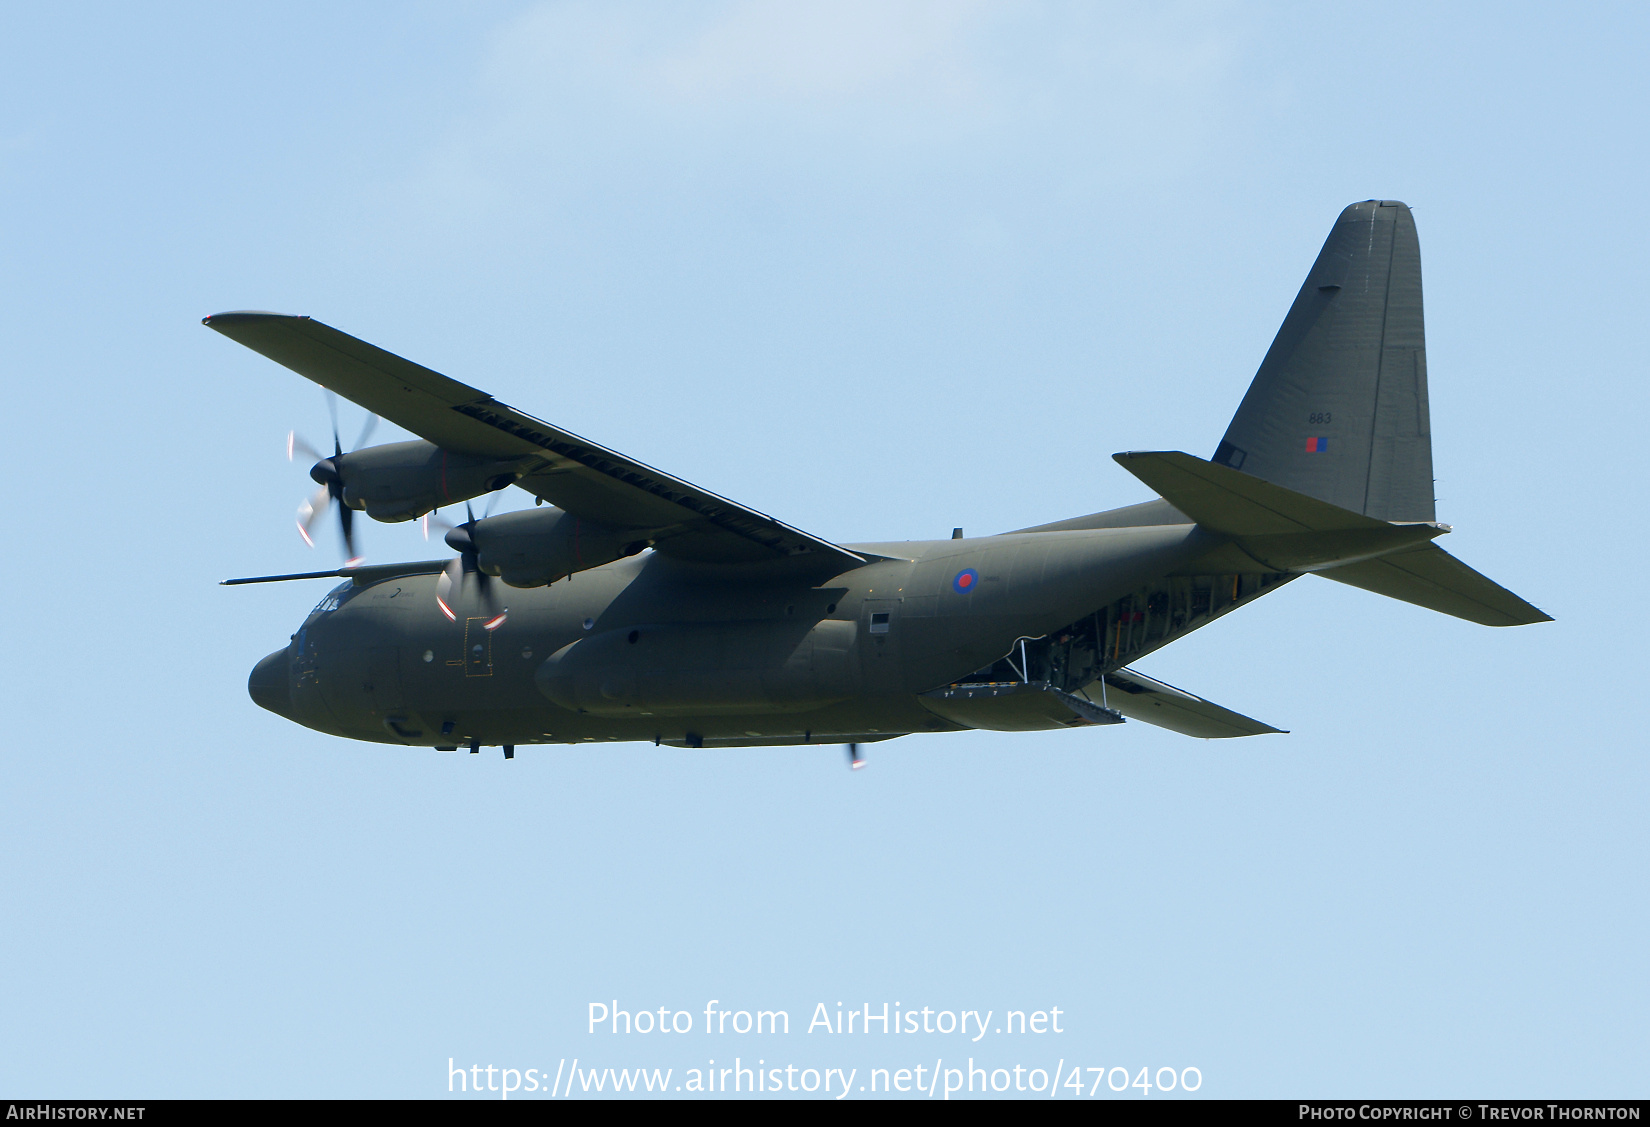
x: 1338, y: 409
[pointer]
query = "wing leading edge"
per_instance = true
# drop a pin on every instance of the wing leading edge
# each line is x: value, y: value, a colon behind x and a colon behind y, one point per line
x: 572, y: 473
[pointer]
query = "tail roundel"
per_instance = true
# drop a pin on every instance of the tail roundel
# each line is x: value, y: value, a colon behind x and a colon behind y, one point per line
x: 1338, y: 409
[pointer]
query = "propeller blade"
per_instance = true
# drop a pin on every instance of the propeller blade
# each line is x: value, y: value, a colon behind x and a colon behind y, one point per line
x: 435, y: 520
x: 447, y: 588
x: 366, y: 432
x: 309, y: 510
x: 346, y: 524
x: 332, y: 411
x: 327, y: 472
x: 484, y: 582
x: 855, y: 759
x: 484, y: 589
x: 296, y: 445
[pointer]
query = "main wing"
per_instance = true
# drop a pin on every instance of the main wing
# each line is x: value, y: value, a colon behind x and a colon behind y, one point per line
x: 572, y: 473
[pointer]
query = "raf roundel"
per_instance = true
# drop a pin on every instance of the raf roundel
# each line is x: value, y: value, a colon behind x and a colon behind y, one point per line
x: 966, y: 580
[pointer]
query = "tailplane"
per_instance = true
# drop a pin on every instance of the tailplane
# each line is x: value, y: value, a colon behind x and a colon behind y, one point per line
x: 1287, y: 531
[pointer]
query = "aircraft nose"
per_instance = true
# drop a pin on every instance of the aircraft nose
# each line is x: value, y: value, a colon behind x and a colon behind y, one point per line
x: 269, y: 687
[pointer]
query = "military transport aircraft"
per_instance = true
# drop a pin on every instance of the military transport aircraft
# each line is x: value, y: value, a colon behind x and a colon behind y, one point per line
x: 635, y: 606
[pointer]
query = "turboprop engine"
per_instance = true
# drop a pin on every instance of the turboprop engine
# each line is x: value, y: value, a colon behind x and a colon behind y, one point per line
x: 538, y: 546
x: 404, y: 480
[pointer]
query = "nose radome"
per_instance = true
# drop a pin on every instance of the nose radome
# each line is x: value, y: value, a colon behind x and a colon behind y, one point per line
x: 269, y: 687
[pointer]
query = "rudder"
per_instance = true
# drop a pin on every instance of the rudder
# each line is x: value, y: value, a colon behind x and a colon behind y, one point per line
x: 1338, y: 408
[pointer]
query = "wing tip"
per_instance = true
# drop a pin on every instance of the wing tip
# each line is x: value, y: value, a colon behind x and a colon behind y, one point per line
x: 230, y: 317
x: 1261, y: 728
x: 1124, y: 456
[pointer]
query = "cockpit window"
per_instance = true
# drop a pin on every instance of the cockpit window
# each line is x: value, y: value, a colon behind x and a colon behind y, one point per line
x: 336, y: 598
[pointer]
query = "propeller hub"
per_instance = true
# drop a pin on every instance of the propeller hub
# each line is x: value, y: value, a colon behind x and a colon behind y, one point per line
x: 458, y: 539
x: 325, y: 472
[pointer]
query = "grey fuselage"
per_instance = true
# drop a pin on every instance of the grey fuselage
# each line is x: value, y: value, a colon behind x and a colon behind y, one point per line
x: 656, y: 648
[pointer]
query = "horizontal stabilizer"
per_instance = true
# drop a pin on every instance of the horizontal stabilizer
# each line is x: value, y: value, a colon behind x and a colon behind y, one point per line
x: 1430, y: 577
x: 1226, y: 500
x: 1152, y: 702
x: 1293, y: 532
x: 1281, y: 528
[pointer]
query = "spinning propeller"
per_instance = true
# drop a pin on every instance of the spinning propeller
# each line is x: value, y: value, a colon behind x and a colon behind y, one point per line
x: 328, y: 473
x: 449, y: 587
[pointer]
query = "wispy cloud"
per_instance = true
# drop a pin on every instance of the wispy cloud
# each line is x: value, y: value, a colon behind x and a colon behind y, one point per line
x: 575, y: 95
x: 924, y: 52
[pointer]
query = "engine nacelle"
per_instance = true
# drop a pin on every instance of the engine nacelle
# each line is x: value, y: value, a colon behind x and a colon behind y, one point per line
x: 404, y: 480
x: 539, y: 546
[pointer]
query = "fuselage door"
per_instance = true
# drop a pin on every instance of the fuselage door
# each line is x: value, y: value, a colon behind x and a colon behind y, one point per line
x: 879, y: 643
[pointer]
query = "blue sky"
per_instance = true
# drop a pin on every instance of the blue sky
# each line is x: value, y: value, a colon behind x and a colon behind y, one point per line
x: 879, y: 269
